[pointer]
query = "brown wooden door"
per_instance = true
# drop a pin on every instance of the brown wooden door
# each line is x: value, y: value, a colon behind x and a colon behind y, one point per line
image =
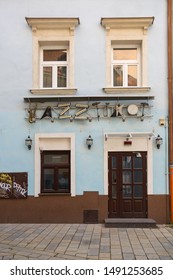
x: 127, y: 192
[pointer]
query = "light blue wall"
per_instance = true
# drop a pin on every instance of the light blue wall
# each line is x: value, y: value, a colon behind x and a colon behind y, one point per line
x: 16, y: 80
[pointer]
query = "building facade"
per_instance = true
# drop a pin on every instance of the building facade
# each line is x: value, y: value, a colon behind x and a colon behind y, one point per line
x: 84, y: 111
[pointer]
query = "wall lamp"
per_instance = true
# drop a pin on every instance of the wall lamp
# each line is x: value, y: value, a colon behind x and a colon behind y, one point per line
x: 89, y: 142
x: 159, y: 141
x: 28, y: 142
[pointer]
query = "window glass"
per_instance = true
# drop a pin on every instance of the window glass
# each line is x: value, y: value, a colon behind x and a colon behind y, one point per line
x: 125, y: 54
x: 54, y: 55
x: 47, y: 77
x: 118, y: 75
x: 137, y: 162
x: 127, y: 162
x: 138, y: 191
x: 63, y: 179
x: 61, y: 76
x: 127, y: 191
x: 114, y: 177
x: 114, y: 191
x: 48, y: 179
x: 138, y: 176
x: 132, y: 75
x: 114, y: 162
x: 56, y: 158
x: 127, y: 177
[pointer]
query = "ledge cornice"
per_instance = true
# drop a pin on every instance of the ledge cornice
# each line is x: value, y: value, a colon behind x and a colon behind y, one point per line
x: 52, y: 23
x: 127, y: 22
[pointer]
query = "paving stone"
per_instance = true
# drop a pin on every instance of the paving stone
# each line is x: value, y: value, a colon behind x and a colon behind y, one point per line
x: 128, y: 256
x: 80, y: 241
x: 20, y: 257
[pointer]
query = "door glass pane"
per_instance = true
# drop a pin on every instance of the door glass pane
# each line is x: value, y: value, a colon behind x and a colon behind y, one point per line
x: 114, y: 191
x: 63, y: 179
x: 127, y: 191
x: 127, y: 177
x: 127, y: 162
x: 137, y: 176
x: 56, y: 158
x: 55, y: 55
x: 117, y: 75
x: 114, y: 162
x: 47, y: 77
x: 125, y: 54
x: 114, y: 177
x: 137, y: 162
x: 138, y: 191
x: 48, y: 179
x: 132, y: 75
x: 61, y: 76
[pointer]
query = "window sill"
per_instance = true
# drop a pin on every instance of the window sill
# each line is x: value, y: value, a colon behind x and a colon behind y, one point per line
x: 54, y: 194
x: 62, y: 91
x: 126, y: 89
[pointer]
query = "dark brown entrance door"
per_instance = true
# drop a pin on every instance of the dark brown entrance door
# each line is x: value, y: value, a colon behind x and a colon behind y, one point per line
x: 127, y: 191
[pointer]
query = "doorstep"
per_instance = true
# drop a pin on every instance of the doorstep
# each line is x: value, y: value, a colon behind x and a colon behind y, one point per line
x: 130, y: 222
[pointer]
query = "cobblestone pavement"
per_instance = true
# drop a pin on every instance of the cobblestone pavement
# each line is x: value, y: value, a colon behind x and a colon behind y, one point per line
x: 84, y: 241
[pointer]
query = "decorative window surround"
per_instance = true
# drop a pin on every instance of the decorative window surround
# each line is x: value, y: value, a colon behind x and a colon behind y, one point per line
x: 54, y: 141
x: 50, y: 32
x: 126, y: 31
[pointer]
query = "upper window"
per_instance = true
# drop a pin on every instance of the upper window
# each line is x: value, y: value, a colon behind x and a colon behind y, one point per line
x: 125, y: 66
x: 126, y: 53
x: 53, y: 54
x: 54, y: 68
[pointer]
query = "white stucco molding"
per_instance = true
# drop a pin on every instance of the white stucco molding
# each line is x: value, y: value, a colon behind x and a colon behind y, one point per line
x: 141, y: 142
x: 54, y: 141
x: 52, y: 23
x: 127, y: 22
x: 126, y: 89
x: 45, y: 91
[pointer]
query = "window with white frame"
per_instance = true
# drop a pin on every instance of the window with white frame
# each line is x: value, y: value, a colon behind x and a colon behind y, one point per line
x: 126, y: 54
x: 54, y: 67
x: 125, y: 66
x: 53, y: 55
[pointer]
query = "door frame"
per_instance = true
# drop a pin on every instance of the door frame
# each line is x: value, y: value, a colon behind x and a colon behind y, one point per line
x: 141, y: 141
x: 118, y: 201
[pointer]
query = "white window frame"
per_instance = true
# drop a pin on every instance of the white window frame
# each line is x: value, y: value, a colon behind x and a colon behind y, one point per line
x: 126, y: 63
x: 54, y: 65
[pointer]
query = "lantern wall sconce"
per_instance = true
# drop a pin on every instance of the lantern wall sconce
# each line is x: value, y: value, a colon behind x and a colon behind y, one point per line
x: 28, y: 142
x: 89, y: 142
x: 159, y: 141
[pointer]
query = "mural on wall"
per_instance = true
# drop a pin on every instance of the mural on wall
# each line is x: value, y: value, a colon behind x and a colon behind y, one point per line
x: 13, y: 185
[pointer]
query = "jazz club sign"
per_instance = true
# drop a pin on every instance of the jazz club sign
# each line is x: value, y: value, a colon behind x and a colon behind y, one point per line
x: 13, y: 185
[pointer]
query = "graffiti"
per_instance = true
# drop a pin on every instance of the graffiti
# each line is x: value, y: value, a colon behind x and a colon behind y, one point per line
x: 13, y: 185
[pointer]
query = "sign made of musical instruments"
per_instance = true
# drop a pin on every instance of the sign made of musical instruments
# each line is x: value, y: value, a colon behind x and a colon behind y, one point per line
x: 13, y: 185
x: 82, y: 111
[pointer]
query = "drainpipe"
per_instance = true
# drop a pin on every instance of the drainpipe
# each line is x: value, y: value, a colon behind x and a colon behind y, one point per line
x: 170, y: 105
